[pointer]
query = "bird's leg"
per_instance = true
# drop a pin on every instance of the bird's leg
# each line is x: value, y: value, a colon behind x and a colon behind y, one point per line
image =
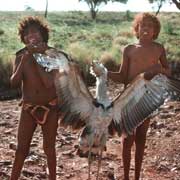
x: 99, y: 162
x: 89, y: 162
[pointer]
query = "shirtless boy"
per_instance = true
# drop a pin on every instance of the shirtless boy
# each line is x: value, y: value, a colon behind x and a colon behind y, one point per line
x: 147, y: 57
x: 39, y: 104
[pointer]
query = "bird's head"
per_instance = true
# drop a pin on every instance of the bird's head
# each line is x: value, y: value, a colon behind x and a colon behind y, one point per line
x: 97, y: 69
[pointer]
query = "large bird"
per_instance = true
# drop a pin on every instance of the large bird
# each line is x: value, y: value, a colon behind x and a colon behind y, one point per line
x: 81, y: 110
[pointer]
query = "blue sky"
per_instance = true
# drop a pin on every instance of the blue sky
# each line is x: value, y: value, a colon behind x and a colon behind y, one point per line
x: 65, y: 5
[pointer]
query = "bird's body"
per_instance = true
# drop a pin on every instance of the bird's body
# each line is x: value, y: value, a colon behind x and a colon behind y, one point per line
x: 128, y: 110
x: 95, y: 133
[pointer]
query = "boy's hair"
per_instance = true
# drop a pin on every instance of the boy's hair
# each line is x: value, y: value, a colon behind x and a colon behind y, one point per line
x: 36, y: 22
x: 146, y: 16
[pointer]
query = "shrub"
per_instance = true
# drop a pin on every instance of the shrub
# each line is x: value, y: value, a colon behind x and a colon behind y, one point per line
x: 1, y: 32
x: 5, y: 73
x: 168, y: 28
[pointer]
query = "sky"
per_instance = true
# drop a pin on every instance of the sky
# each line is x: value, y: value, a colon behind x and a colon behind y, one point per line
x: 69, y: 5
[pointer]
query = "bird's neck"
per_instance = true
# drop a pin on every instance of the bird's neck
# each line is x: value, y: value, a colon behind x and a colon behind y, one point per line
x: 101, y: 90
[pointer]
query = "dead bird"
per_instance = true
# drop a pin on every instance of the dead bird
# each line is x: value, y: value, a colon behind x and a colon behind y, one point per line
x: 95, y: 115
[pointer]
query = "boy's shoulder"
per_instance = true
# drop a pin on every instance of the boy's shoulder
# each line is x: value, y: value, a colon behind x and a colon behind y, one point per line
x: 129, y: 47
x: 158, y: 44
x: 63, y: 52
x: 21, y: 51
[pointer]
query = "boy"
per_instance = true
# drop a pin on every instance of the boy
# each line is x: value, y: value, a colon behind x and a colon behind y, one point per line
x: 39, y: 101
x: 147, y: 57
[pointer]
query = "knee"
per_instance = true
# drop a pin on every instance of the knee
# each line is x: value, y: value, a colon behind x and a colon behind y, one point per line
x: 49, y: 151
x: 128, y: 141
x: 140, y: 139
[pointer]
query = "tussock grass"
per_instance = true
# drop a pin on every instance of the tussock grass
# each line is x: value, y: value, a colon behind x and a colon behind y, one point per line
x: 5, y: 73
x: 109, y: 61
x: 85, y: 39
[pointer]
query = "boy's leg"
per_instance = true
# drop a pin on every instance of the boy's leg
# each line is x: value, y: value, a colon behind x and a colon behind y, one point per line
x: 26, y: 129
x: 49, y: 138
x: 127, y: 143
x: 140, y: 140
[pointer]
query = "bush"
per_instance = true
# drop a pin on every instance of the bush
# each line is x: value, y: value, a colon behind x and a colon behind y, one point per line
x: 5, y: 73
x: 168, y: 28
x: 1, y: 32
x: 128, y: 16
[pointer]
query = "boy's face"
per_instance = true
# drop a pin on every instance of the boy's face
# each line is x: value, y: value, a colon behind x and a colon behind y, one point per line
x: 33, y: 36
x: 146, y: 30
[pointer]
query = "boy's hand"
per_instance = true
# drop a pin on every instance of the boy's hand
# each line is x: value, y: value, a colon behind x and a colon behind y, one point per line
x: 154, y: 70
x: 148, y: 75
x: 37, y: 48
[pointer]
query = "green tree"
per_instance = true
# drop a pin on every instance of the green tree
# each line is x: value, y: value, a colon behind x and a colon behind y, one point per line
x: 161, y: 2
x: 94, y: 5
x: 28, y: 8
x: 177, y: 3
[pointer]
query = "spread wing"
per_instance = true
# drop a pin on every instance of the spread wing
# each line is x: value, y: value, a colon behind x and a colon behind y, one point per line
x: 74, y: 99
x: 140, y: 99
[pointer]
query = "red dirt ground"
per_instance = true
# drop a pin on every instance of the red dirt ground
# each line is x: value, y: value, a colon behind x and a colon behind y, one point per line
x: 161, y: 160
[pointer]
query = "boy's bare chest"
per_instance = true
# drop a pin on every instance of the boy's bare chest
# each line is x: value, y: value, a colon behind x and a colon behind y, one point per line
x: 30, y: 70
x: 140, y: 60
x: 144, y: 57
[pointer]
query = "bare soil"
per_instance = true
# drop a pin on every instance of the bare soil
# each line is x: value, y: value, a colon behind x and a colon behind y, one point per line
x: 161, y: 160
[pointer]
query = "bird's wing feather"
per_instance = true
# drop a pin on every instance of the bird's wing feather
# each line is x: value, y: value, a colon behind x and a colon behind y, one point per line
x: 74, y: 99
x: 140, y: 99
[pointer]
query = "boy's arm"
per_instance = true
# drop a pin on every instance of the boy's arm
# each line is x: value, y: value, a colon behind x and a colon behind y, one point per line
x: 122, y: 75
x: 17, y: 75
x: 165, y: 66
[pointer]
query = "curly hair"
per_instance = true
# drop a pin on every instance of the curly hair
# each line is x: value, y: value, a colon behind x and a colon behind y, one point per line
x: 146, y: 16
x: 36, y: 22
